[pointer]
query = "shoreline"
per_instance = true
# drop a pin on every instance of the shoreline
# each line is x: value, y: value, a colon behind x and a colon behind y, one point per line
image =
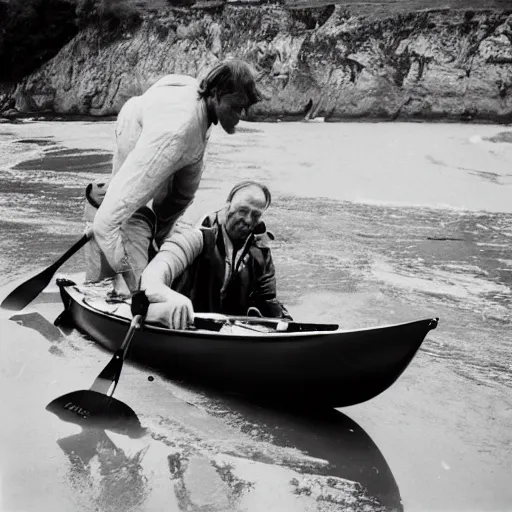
x: 434, y: 120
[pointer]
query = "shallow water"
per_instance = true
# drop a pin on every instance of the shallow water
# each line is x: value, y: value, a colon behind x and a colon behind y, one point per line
x: 374, y: 224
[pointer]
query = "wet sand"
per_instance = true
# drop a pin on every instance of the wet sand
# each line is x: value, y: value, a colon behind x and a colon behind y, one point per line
x: 202, y: 449
x: 387, y: 243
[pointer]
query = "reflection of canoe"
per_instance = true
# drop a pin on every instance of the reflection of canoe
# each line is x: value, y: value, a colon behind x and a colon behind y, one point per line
x: 334, y: 367
x: 326, y: 435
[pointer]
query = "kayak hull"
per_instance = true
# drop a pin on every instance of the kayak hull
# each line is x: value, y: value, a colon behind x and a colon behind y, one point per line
x: 334, y: 368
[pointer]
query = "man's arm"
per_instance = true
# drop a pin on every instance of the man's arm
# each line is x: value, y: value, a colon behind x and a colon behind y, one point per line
x: 177, y: 253
x: 168, y: 307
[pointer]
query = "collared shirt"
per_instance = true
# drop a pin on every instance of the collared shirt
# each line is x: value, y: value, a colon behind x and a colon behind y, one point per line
x: 232, y: 258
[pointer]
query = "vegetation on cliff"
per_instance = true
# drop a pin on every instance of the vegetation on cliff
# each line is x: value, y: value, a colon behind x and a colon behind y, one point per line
x: 31, y: 33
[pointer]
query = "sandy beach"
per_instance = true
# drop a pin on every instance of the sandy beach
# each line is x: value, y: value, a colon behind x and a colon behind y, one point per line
x: 374, y: 223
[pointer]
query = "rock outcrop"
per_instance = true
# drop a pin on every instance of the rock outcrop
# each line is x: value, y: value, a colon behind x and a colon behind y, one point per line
x: 324, y: 62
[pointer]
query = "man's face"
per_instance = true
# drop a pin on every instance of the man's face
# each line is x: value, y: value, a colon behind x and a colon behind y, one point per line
x: 229, y: 109
x: 244, y: 213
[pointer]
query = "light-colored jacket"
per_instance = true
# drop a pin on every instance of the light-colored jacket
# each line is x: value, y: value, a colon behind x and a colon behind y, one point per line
x: 161, y: 140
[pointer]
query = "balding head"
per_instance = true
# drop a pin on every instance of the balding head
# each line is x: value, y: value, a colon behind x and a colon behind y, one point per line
x: 250, y: 184
x: 252, y: 195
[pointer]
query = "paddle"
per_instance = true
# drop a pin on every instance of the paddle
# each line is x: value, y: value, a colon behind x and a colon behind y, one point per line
x: 96, y: 405
x: 215, y: 321
x: 26, y: 292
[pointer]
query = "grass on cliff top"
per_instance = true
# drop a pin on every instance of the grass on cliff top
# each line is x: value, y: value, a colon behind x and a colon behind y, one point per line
x: 391, y: 7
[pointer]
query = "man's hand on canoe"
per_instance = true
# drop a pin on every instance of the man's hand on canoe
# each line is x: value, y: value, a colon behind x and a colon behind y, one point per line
x: 168, y: 307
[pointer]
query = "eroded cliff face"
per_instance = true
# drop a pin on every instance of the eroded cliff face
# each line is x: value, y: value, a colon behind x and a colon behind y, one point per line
x: 321, y: 62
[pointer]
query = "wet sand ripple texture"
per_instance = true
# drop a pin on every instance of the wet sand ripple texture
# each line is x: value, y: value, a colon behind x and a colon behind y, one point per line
x: 373, y: 224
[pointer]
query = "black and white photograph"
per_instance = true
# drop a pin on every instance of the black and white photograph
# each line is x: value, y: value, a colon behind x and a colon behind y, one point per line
x: 256, y: 255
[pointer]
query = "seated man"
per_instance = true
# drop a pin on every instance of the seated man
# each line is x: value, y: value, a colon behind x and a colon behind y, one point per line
x: 223, y: 266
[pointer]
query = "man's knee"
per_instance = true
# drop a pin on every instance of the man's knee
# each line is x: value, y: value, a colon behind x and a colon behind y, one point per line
x: 139, y: 234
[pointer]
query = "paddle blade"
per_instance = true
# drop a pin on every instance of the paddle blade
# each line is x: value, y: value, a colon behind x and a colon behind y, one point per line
x: 90, y: 409
x: 26, y: 292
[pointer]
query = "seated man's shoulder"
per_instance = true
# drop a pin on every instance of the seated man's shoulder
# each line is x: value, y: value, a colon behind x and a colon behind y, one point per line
x: 208, y: 226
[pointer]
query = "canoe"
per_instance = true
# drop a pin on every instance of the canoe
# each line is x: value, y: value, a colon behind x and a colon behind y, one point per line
x: 311, y: 364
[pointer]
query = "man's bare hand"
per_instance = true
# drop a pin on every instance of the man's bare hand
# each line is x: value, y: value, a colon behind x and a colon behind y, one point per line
x: 169, y: 307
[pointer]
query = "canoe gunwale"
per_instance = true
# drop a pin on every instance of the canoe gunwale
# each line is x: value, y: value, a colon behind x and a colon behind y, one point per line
x: 257, y: 337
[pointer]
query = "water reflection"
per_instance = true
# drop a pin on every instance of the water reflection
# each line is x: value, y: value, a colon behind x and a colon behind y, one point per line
x: 201, y: 483
x: 103, y: 473
x: 326, y: 434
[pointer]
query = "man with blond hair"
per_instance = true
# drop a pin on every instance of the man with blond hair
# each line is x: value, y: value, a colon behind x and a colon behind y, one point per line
x: 161, y: 140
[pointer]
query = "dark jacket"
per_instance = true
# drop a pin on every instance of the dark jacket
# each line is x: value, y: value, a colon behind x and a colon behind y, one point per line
x: 252, y: 282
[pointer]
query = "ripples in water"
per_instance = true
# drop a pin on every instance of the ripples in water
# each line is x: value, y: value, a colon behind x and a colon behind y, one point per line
x: 354, y: 263
x: 409, y: 262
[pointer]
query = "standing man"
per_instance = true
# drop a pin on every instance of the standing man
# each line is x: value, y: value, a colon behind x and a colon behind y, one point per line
x: 161, y: 139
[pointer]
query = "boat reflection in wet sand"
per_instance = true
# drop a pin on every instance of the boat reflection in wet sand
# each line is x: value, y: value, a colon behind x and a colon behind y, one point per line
x: 102, y: 473
x: 314, y: 363
x: 325, y: 434
x: 344, y: 469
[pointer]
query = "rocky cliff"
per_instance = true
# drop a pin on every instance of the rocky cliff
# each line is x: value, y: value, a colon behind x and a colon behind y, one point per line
x: 328, y: 62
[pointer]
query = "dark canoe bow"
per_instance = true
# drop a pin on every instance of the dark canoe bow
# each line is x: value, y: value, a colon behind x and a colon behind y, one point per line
x: 334, y: 368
